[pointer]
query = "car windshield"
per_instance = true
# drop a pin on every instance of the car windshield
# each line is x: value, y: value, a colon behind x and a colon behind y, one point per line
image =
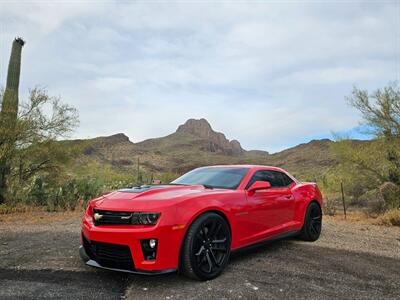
x: 214, y: 177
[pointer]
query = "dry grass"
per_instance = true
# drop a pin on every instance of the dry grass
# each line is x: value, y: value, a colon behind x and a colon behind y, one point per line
x: 36, y: 215
x: 390, y: 218
x: 351, y: 217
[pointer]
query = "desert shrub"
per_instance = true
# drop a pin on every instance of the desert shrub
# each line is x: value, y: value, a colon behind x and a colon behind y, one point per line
x: 391, y: 195
x: 355, y: 189
x: 375, y: 209
x: 38, y: 193
x: 62, y: 193
x: 373, y: 202
x: 391, y: 217
x: 329, y: 207
x: 88, y: 188
x: 19, y: 208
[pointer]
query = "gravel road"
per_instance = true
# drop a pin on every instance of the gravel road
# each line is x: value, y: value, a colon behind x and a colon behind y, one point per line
x: 349, y: 261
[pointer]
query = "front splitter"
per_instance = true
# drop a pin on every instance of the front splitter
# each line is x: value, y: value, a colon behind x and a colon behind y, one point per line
x: 95, y: 264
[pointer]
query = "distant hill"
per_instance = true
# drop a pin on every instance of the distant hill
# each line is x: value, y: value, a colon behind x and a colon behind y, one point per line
x: 196, y: 144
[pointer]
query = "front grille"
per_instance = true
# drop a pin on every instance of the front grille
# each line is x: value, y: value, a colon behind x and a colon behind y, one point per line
x: 107, y: 217
x: 109, y: 255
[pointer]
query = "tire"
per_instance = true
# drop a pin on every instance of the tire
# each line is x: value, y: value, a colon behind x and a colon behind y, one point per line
x: 312, y: 223
x: 206, y: 247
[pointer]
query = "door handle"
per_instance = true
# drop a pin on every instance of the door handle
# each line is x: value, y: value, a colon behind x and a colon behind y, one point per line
x: 288, y: 197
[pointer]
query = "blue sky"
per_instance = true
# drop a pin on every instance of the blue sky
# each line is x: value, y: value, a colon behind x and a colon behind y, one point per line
x: 269, y: 74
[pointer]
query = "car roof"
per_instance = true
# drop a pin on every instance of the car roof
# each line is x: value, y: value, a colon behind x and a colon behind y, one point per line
x: 253, y: 168
x: 246, y: 166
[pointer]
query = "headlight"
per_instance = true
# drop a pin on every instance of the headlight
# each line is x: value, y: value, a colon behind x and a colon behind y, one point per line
x: 89, y: 210
x: 145, y: 218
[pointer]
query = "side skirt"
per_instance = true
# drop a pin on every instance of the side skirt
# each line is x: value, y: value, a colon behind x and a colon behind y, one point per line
x: 283, y: 236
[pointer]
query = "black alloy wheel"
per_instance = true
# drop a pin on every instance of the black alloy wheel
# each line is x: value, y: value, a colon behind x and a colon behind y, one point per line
x: 206, y: 248
x: 312, y: 223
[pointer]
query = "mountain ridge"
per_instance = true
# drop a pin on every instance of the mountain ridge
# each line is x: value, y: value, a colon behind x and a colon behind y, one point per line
x: 194, y: 144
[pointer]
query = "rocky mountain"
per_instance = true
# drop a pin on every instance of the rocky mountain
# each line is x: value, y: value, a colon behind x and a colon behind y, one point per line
x: 216, y: 141
x: 194, y: 144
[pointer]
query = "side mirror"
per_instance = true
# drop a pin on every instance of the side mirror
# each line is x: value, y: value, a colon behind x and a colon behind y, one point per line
x: 259, y: 185
x: 156, y: 182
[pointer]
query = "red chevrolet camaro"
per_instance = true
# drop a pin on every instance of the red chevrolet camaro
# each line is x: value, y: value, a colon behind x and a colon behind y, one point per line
x: 192, y: 224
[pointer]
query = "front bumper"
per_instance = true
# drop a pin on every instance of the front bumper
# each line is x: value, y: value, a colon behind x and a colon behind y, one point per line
x: 126, y: 242
x: 95, y: 264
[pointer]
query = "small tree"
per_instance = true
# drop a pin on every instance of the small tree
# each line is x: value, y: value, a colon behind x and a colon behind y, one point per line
x: 27, y: 133
x: 380, y: 110
x: 371, y: 164
x: 40, y: 122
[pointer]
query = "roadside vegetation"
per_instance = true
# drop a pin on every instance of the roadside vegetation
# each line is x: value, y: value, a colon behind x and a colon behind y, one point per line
x: 370, y: 170
x: 35, y: 168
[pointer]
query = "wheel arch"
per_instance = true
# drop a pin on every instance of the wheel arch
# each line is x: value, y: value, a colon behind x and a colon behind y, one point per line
x: 315, y: 201
x: 209, y: 210
x: 196, y: 216
x: 302, y: 210
x: 306, y: 193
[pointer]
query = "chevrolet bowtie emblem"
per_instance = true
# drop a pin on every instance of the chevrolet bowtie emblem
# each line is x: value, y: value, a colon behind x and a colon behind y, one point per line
x: 97, y: 216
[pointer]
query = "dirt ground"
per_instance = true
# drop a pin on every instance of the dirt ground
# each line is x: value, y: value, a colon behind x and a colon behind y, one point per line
x: 39, y: 259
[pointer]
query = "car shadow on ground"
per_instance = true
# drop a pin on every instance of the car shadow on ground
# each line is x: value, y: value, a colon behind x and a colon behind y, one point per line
x: 285, y: 268
x: 239, y: 257
x: 261, y: 248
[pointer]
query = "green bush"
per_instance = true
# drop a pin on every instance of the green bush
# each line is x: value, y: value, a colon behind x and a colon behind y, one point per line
x: 38, y: 193
x: 391, y: 195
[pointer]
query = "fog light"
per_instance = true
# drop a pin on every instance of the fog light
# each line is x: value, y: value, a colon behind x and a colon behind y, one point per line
x: 149, y: 248
x: 152, y: 243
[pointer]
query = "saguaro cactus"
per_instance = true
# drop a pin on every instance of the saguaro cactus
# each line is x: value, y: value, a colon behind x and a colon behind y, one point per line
x: 9, y: 112
x: 9, y: 107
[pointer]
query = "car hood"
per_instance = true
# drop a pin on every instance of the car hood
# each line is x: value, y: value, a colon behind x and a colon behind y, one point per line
x: 148, y: 198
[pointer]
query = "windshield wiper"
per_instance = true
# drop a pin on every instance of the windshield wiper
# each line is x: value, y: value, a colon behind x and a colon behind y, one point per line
x: 184, y: 184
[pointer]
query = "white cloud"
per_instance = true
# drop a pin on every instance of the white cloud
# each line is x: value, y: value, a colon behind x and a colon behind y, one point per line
x: 267, y: 74
x: 335, y: 75
x: 111, y: 84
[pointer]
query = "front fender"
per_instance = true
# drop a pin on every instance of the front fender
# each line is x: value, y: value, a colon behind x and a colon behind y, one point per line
x: 226, y: 204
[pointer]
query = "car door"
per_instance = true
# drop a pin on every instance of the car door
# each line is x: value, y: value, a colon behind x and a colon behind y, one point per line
x: 270, y: 209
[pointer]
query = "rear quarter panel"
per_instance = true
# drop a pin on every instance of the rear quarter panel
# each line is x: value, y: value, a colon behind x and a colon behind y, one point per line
x: 304, y: 193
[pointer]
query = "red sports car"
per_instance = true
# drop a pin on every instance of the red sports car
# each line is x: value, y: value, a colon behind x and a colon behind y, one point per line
x: 192, y: 224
